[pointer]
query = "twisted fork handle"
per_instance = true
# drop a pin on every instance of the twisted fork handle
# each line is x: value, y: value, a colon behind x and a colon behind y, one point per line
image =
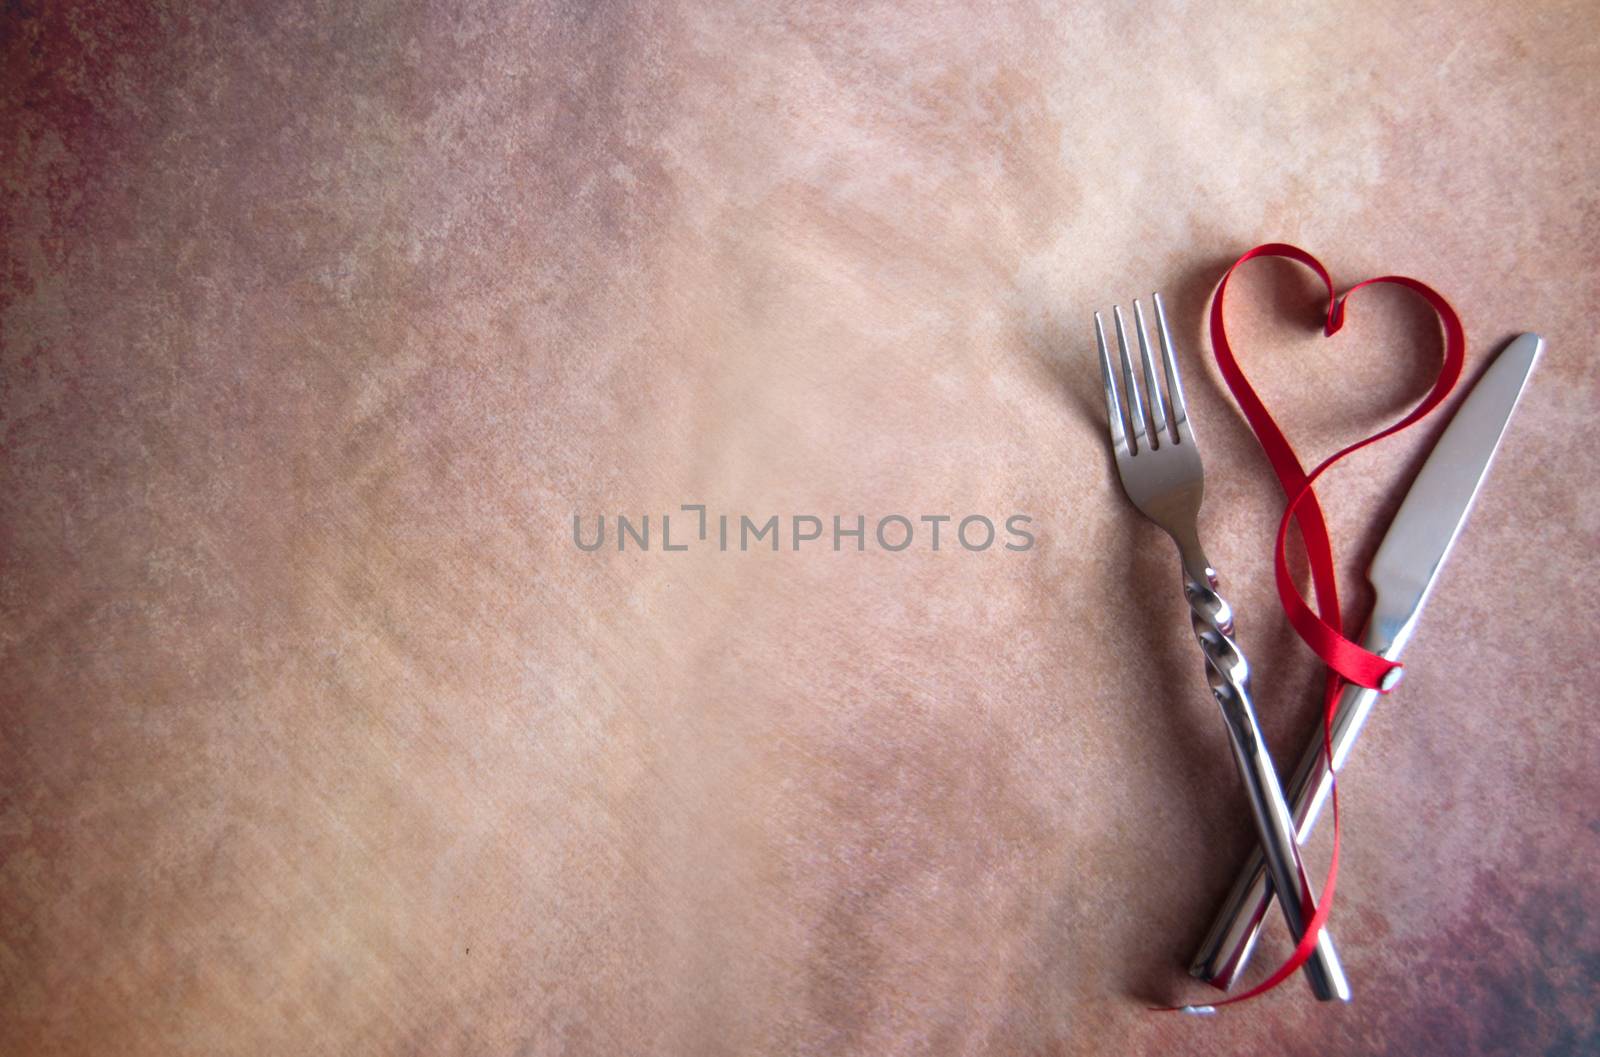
x: 1228, y: 673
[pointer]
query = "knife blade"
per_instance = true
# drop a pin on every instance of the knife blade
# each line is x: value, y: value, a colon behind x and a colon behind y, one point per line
x: 1403, y: 573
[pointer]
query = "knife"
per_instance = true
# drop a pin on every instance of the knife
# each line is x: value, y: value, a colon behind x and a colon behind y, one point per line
x: 1403, y: 574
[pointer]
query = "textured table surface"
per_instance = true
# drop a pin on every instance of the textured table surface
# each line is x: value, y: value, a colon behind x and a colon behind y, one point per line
x: 320, y: 323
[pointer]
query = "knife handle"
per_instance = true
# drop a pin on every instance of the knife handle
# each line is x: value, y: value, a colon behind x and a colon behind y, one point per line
x: 1227, y: 947
x: 1229, y: 676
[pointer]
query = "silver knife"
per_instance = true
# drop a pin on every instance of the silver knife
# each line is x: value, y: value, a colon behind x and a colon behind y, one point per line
x: 1403, y: 574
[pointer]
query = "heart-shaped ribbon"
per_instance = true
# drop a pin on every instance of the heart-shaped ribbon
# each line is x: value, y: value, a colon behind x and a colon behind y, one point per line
x: 1323, y: 628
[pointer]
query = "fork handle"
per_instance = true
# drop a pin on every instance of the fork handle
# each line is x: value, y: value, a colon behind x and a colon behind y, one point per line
x: 1229, y: 676
x: 1227, y: 947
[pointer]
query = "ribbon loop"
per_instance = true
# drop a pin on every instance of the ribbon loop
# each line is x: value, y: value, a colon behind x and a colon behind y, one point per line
x: 1322, y: 629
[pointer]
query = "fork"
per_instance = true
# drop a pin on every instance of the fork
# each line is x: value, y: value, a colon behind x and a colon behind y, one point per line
x: 1158, y: 460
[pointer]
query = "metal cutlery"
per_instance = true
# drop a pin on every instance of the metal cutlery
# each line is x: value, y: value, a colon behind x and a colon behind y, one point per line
x: 1158, y: 460
x: 1403, y: 574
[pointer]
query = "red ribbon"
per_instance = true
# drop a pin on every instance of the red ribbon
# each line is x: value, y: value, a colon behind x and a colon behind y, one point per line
x: 1322, y: 628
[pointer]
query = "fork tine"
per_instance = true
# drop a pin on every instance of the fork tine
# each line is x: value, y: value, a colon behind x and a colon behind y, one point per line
x: 1158, y: 410
x: 1180, y: 412
x: 1119, y: 437
x: 1136, y: 420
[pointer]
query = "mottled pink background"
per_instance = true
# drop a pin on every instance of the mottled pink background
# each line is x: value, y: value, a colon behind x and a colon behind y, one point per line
x: 321, y: 320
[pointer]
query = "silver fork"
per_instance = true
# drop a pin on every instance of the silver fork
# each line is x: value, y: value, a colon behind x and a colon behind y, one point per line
x: 1158, y: 460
